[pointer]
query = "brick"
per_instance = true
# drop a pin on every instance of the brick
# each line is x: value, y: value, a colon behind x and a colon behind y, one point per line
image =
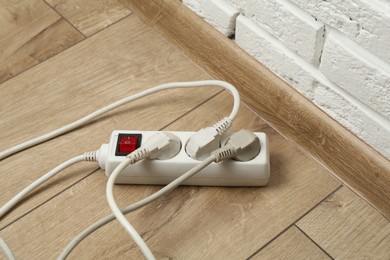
x: 365, y: 21
x: 372, y: 129
x: 309, y: 80
x: 353, y: 69
x: 297, y: 29
x: 218, y: 13
x: 273, y: 54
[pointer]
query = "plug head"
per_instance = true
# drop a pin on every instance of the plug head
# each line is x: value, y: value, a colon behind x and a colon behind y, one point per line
x: 163, y: 146
x: 202, y: 143
x: 246, y: 144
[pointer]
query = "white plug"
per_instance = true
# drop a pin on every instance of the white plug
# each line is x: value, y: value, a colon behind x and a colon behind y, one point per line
x: 243, y: 146
x: 246, y: 144
x: 163, y: 146
x: 202, y: 143
x: 206, y: 140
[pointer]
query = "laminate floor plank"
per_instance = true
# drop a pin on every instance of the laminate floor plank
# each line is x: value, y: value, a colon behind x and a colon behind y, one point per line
x: 348, y: 228
x: 30, y: 33
x: 293, y: 244
x: 90, y: 16
x: 124, y: 59
x: 189, y: 223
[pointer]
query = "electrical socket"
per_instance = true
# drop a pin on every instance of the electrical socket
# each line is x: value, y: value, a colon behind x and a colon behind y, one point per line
x: 254, y: 172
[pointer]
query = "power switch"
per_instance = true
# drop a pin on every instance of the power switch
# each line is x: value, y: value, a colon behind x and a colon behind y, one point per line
x: 127, y: 143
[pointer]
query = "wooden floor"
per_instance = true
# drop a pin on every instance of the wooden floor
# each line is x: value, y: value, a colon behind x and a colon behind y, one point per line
x: 61, y: 60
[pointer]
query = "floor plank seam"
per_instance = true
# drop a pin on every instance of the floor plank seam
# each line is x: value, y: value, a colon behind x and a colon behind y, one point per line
x: 47, y: 200
x: 54, y: 55
x: 293, y: 224
x: 39, y: 63
x: 315, y: 206
x: 108, y: 26
x: 33, y: 66
x: 186, y: 113
x: 320, y: 247
x: 63, y: 17
x: 270, y: 241
x: 323, y: 165
x: 371, y: 205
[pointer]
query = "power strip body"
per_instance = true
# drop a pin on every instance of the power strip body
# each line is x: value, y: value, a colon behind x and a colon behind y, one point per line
x: 255, y: 172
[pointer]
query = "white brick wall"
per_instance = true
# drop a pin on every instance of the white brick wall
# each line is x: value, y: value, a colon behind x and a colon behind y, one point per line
x: 283, y: 20
x: 346, y: 71
x: 218, y: 13
x: 272, y: 53
x: 365, y: 21
x: 343, y: 62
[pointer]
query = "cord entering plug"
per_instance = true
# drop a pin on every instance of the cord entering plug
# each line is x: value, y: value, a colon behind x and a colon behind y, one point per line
x: 245, y: 144
x: 206, y: 140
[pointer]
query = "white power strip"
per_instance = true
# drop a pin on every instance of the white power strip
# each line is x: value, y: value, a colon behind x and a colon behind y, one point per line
x: 255, y: 172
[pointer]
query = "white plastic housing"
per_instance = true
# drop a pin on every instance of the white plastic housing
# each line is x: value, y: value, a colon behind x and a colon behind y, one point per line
x: 255, y: 172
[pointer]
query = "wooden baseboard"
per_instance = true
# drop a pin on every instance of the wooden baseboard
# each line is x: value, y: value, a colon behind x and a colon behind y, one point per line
x: 350, y: 159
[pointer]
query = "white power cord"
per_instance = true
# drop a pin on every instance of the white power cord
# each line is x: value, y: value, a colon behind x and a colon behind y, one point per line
x: 18, y: 197
x: 133, y: 158
x: 243, y: 142
x: 201, y: 144
x: 81, y: 121
x: 103, y: 221
x: 7, y: 251
x: 88, y: 156
x: 154, y: 147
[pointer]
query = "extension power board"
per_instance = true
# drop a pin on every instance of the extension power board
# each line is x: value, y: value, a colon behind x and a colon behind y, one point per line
x: 254, y: 172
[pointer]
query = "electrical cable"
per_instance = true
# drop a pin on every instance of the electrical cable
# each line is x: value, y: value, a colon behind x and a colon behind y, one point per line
x: 7, y: 251
x: 103, y: 221
x: 85, y: 119
x: 88, y: 156
x: 238, y: 143
x: 219, y: 127
x: 130, y: 159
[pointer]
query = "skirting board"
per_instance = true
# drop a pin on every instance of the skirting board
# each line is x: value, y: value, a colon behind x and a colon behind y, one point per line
x: 351, y: 160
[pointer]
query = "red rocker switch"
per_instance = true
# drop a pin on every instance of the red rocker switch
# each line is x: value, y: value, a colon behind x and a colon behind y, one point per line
x: 127, y: 143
